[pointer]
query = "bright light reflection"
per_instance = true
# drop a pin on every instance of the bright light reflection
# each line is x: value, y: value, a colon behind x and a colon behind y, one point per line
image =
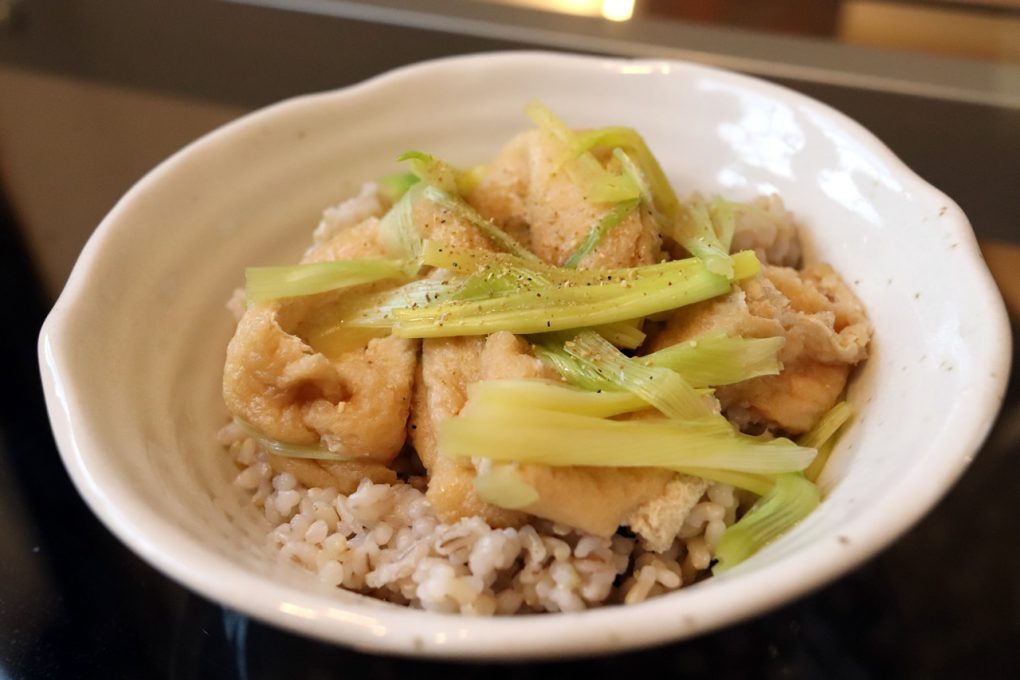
x: 839, y: 185
x: 612, y: 10
x: 730, y: 178
x: 589, y: 8
x: 297, y: 610
x: 368, y: 622
x: 642, y: 69
x: 618, y: 10
x: 766, y: 136
x: 859, y: 171
x: 854, y: 156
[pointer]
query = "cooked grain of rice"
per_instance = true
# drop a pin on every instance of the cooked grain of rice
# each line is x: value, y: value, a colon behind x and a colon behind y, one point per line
x: 384, y: 540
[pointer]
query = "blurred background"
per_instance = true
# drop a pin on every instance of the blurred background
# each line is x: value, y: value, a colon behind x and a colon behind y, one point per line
x: 94, y: 93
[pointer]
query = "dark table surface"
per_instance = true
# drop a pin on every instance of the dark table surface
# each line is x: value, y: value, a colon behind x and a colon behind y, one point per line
x: 944, y: 601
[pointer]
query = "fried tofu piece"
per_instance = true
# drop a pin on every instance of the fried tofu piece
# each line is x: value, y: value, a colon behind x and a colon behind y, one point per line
x: 528, y: 190
x: 349, y: 213
x: 596, y: 500
x: 502, y: 190
x: 355, y: 404
x: 344, y: 476
x: 768, y: 229
x: 826, y: 333
x: 351, y: 243
x: 448, y: 366
x: 438, y: 224
x: 660, y: 519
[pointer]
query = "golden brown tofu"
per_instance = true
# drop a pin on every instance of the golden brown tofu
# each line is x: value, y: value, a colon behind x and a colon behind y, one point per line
x: 826, y: 333
x: 448, y: 366
x: 767, y: 228
x: 355, y: 404
x: 660, y: 519
x: 503, y: 189
x: 528, y: 189
x: 358, y: 241
x: 440, y: 225
x: 596, y: 500
x: 593, y: 499
x: 344, y: 476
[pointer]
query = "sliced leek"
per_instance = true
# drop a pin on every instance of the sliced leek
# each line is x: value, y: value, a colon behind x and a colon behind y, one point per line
x: 397, y: 233
x: 520, y: 433
x: 570, y: 300
x: 598, y: 231
x: 431, y: 170
x: 465, y: 212
x: 554, y: 396
x: 716, y: 359
x: 791, y: 499
x: 393, y: 187
x: 693, y: 229
x: 270, y: 283
x: 710, y: 360
x: 287, y: 449
x: 661, y: 388
x: 598, y: 184
x: 823, y: 437
x: 503, y: 486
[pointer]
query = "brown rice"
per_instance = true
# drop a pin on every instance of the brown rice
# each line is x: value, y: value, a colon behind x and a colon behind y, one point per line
x: 385, y: 541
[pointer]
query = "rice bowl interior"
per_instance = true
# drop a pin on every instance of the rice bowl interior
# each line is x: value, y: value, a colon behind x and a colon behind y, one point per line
x: 131, y: 352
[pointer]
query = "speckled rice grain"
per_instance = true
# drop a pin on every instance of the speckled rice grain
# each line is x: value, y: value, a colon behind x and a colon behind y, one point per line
x: 384, y: 540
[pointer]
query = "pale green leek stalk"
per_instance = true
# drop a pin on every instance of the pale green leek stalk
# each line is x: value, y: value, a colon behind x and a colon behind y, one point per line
x: 397, y: 232
x: 545, y: 119
x: 693, y: 229
x: 715, y: 359
x: 791, y: 499
x: 287, y: 449
x: 545, y: 395
x: 440, y: 174
x: 465, y: 212
x: 661, y: 388
x: 577, y: 373
x: 270, y: 283
x: 554, y: 396
x: 756, y: 484
x: 516, y: 432
x: 431, y: 170
x: 498, y: 275
x: 623, y: 334
x: 393, y: 187
x: 823, y: 437
x: 598, y: 184
x: 598, y: 231
x: 631, y: 169
x: 724, y: 219
x: 571, y: 299
x: 503, y: 486
x: 689, y: 225
x: 651, y: 175
x: 707, y: 361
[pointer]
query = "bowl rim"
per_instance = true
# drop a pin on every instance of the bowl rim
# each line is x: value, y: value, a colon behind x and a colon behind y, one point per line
x: 406, y: 631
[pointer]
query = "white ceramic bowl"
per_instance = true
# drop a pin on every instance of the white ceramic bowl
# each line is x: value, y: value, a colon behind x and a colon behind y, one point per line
x: 132, y: 352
